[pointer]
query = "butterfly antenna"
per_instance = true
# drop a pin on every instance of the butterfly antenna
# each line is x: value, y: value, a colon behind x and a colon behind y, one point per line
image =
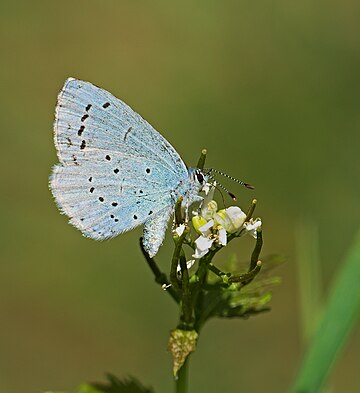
x: 219, y: 185
x: 247, y: 185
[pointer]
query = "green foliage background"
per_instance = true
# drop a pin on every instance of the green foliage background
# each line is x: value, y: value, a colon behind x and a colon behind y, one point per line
x: 272, y: 90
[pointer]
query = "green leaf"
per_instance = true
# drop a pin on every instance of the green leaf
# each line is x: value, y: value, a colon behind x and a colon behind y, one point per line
x: 115, y: 385
x: 239, y: 301
x: 340, y: 316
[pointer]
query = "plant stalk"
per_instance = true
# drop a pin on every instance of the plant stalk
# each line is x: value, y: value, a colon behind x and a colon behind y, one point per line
x: 181, y: 382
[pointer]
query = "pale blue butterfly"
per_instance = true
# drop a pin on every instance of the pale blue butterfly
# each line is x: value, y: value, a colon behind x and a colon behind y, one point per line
x: 115, y: 172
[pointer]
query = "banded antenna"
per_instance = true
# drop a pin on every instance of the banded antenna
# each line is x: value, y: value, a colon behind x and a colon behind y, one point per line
x: 220, y: 187
x: 247, y: 185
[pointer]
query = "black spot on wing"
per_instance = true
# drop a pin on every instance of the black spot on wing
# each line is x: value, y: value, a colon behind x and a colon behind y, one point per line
x: 116, y: 170
x: 81, y: 130
x: 84, y: 117
x: 83, y: 144
x: 113, y: 217
x: 106, y: 105
x: 107, y: 157
x: 88, y: 107
x: 126, y: 133
x: 74, y: 158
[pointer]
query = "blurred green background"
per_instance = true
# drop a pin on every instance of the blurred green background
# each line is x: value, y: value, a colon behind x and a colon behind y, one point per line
x: 271, y: 89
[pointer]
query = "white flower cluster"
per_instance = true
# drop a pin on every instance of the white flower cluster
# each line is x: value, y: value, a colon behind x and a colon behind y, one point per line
x: 214, y: 225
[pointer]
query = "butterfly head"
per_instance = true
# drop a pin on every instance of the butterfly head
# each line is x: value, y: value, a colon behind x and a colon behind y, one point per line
x: 190, y: 188
x: 198, y: 177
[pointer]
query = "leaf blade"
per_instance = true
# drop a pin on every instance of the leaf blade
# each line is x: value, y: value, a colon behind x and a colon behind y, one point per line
x: 340, y: 316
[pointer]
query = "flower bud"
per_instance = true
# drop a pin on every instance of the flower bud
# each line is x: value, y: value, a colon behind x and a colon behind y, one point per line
x: 198, y: 222
x: 208, y: 209
x: 231, y: 219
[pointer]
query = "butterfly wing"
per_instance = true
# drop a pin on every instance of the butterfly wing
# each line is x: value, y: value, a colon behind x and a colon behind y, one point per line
x: 115, y: 171
x: 154, y: 231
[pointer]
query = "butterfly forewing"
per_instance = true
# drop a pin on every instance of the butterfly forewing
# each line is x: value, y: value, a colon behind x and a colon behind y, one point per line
x: 88, y: 116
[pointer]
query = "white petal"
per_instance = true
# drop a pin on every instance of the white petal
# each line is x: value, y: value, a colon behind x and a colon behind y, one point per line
x: 236, y: 216
x: 203, y: 245
x: 205, y: 229
x: 180, y: 229
x: 222, y: 237
x: 199, y: 254
x: 231, y: 218
x: 252, y: 226
x: 208, y: 206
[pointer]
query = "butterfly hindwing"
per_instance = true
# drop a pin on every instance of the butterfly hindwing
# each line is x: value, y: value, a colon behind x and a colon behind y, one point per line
x: 154, y: 231
x: 103, y: 205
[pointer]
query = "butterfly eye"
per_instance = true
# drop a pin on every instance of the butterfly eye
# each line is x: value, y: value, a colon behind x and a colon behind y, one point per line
x: 199, y: 177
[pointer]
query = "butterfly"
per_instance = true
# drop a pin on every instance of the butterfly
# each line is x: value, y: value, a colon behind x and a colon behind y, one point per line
x: 115, y: 170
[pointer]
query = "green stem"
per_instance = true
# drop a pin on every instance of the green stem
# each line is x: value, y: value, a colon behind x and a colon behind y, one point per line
x: 187, y: 313
x: 178, y: 212
x: 198, y: 288
x: 202, y: 158
x: 175, y: 260
x: 256, y: 253
x: 250, y: 211
x: 181, y: 382
x: 246, y: 278
x: 160, y: 277
x: 218, y: 272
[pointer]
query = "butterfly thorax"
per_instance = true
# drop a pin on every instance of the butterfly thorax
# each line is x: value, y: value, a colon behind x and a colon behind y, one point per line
x: 190, y: 187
